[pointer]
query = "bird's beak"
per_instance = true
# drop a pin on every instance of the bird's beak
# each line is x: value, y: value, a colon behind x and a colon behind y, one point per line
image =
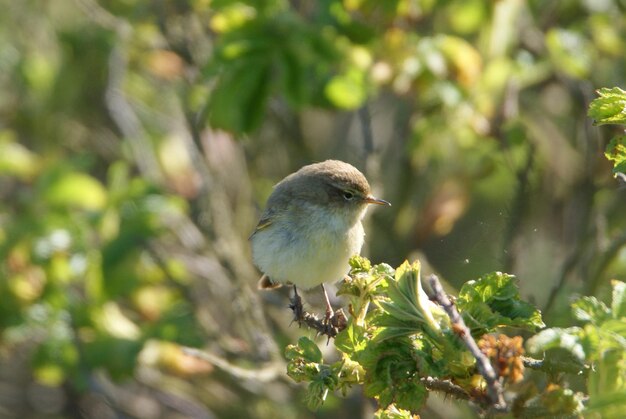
x: 371, y: 200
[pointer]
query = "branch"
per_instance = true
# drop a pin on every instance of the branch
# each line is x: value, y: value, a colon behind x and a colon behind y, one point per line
x: 115, y: 98
x: 264, y: 374
x: 494, y: 387
x: 329, y: 328
x: 446, y: 386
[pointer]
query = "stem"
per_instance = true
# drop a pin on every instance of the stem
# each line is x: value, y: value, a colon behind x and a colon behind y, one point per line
x: 360, y: 320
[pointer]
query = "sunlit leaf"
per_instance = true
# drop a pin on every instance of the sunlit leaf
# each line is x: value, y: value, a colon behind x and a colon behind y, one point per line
x: 610, y: 107
x: 616, y: 152
x: 556, y: 338
x: 494, y: 300
x: 408, y: 304
x: 351, y: 339
x: 15, y: 159
x: 348, y: 90
x: 77, y: 190
x: 360, y: 264
x: 232, y: 17
x: 392, y: 412
x: 570, y: 51
x: 590, y: 309
x: 465, y: 60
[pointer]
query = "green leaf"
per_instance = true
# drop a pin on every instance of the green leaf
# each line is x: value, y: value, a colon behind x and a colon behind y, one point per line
x: 392, y: 412
x: 348, y: 90
x: 570, y: 52
x: 570, y: 339
x: 15, y: 159
x: 310, y: 351
x: 618, y: 305
x: 77, y: 190
x: 590, y: 309
x: 391, y: 374
x: 53, y: 360
x: 359, y: 264
x: 494, y: 301
x: 609, y: 405
x: 238, y: 102
x: 408, y: 303
x: 608, y: 374
x: 613, y: 334
x: 616, y: 152
x: 609, y: 108
x: 294, y: 77
x: 98, y: 353
x: 392, y: 327
x: 562, y: 402
x: 315, y: 395
x: 352, y: 339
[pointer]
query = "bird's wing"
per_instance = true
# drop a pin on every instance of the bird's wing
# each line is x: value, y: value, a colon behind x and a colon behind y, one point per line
x: 265, y: 221
x: 265, y: 283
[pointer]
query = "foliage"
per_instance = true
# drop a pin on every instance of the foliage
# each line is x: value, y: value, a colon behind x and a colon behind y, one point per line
x: 494, y: 301
x: 73, y: 277
x: 600, y: 341
x: 610, y: 108
x: 406, y: 339
x: 139, y: 139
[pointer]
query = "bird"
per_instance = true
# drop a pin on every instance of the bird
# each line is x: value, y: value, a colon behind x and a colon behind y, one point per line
x: 311, y: 226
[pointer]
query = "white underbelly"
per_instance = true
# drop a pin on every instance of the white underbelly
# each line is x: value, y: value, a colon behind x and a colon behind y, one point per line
x: 307, y: 260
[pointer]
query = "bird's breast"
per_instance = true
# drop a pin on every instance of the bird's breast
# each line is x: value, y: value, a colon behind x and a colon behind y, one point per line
x: 308, y: 253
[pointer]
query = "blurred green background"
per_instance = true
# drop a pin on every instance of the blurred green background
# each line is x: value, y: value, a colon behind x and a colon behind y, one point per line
x: 139, y: 140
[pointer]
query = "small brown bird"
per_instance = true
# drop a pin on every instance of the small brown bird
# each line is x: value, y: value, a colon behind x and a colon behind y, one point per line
x: 311, y: 226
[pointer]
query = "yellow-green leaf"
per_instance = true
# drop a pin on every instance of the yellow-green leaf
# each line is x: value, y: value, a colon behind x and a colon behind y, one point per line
x: 76, y: 190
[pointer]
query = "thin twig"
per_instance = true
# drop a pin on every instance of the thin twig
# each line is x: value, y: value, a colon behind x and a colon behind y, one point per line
x: 494, y: 387
x: 264, y: 374
x: 446, y: 386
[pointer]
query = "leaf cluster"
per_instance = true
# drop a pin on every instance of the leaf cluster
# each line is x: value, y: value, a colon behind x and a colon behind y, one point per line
x: 610, y: 108
x: 404, y: 338
x: 599, y: 341
x: 82, y: 282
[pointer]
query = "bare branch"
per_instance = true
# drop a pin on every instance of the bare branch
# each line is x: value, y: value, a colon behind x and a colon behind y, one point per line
x: 269, y: 372
x: 445, y: 386
x: 494, y: 387
x: 335, y: 325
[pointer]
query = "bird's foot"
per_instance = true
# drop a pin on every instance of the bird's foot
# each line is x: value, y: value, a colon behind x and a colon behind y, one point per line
x: 329, y: 326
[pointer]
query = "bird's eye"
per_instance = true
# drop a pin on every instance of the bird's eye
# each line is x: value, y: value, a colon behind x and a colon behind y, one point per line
x: 348, y: 195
